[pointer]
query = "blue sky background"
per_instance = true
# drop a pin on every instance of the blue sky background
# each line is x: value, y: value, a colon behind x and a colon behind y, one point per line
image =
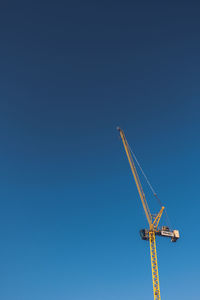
x: 69, y: 209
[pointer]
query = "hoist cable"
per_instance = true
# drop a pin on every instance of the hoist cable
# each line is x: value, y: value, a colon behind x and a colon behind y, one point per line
x: 150, y: 186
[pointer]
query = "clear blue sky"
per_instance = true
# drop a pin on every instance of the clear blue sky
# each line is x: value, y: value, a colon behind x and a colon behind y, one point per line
x: 69, y: 209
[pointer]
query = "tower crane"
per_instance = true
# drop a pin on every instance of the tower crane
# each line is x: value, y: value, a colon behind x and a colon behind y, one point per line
x: 153, y: 221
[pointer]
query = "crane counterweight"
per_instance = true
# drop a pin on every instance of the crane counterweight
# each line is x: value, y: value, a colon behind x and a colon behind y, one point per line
x: 174, y: 234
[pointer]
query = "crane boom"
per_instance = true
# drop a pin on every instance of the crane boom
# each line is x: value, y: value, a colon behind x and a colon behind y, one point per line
x: 135, y: 175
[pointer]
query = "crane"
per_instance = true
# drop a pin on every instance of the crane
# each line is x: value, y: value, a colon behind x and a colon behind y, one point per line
x: 153, y: 221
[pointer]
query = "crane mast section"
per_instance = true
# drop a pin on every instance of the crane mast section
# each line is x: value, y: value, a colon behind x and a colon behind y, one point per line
x: 137, y: 180
x: 154, y: 266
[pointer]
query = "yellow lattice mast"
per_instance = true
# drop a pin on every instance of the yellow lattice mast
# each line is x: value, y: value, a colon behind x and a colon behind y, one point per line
x: 149, y: 234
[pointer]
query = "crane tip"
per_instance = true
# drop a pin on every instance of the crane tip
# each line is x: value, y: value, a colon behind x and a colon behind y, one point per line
x: 118, y: 128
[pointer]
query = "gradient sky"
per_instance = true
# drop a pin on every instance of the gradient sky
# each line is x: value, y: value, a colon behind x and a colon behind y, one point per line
x: 69, y: 209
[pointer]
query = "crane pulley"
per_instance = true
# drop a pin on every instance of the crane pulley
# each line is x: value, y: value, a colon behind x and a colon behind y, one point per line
x: 153, y: 220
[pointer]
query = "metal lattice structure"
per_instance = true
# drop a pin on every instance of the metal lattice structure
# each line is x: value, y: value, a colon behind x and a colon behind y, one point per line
x: 149, y: 234
x: 154, y: 265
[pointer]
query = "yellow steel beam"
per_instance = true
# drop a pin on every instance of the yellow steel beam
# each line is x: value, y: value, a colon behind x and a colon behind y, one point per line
x: 157, y: 218
x: 154, y: 266
x: 135, y: 175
